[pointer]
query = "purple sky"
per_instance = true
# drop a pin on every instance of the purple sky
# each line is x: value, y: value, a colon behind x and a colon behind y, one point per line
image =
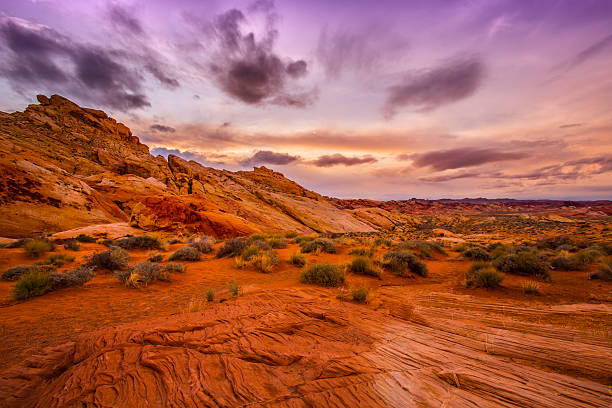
x: 377, y: 99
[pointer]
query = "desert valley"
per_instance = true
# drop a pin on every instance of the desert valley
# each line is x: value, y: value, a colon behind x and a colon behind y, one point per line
x: 213, y: 205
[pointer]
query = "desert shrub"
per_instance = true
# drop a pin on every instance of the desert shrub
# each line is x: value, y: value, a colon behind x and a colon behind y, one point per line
x: 72, y: 244
x: 56, y: 260
x: 234, y: 288
x: 360, y: 294
x: 383, y: 242
x: 523, y: 263
x: 31, y: 284
x: 85, y: 238
x: 210, y: 295
x: 17, y: 244
x: 483, y: 275
x: 304, y: 238
x: 155, y: 257
x: 291, y: 234
x: 142, y: 274
x: 111, y: 259
x: 324, y: 274
x: 604, y: 272
x: 604, y: 247
x: 14, y: 273
x: 107, y: 242
x: 498, y: 249
x: 74, y: 277
x: 257, y: 237
x: 424, y: 249
x: 36, y: 247
x: 140, y: 242
x: 363, y: 266
x: 204, y: 244
x: 319, y: 244
x: 400, y: 262
x: 277, y: 243
x: 232, y: 247
x: 362, y: 251
x: 476, y: 254
x: 531, y: 288
x: 176, y: 268
x: 587, y: 256
x: 174, y: 241
x: 265, y: 261
x: 249, y: 252
x: 564, y: 263
x: 297, y: 259
x: 187, y: 253
x: 568, y: 248
x: 554, y: 242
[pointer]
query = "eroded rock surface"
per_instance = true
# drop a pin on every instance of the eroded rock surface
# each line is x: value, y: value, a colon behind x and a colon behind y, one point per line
x: 290, y: 348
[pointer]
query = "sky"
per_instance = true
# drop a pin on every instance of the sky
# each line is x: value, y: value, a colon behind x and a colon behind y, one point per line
x: 353, y: 99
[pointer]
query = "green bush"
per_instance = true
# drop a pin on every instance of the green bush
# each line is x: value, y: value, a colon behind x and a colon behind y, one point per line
x: 111, y: 259
x: 232, y: 247
x: 31, y: 284
x: 187, y: 253
x: 297, y: 259
x: 72, y: 245
x: 319, y: 244
x: 363, y: 266
x: 483, y: 275
x: 323, y: 274
x: 37, y: 247
x: 85, y: 238
x: 140, y: 242
x: 523, y: 263
x: 249, y: 252
x: 360, y: 294
x: 400, y: 262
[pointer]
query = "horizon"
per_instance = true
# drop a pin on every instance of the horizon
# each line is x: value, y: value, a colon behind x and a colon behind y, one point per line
x: 386, y: 101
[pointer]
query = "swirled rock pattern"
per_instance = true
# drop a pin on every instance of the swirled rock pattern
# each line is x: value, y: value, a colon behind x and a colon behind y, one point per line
x: 290, y: 348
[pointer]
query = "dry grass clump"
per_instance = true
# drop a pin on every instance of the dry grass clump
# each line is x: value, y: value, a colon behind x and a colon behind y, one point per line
x: 323, y: 274
x: 187, y: 253
x: 363, y: 266
x: 176, y: 268
x: 56, y: 260
x: 400, y: 262
x: 140, y: 242
x: 112, y: 259
x: 524, y: 263
x: 144, y: 273
x: 36, y: 247
x: 232, y: 247
x: 75, y: 277
x: 531, y: 288
x: 483, y: 275
x: 360, y: 294
x: 210, y: 295
x: 264, y: 262
x: 277, y: 243
x: 297, y: 259
x: 318, y: 245
x: 362, y: 251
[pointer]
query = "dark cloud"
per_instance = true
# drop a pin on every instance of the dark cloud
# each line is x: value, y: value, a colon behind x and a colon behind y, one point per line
x: 162, y: 128
x: 204, y: 159
x: 123, y: 20
x: 337, y: 159
x: 248, y: 69
x: 570, y: 125
x: 451, y: 82
x: 449, y: 177
x: 39, y: 59
x: 269, y: 157
x: 462, y: 157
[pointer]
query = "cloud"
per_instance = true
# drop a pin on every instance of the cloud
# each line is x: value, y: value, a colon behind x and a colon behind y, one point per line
x: 248, y: 69
x: 570, y: 125
x: 38, y: 59
x: 461, y: 157
x: 449, y: 177
x: 269, y: 157
x: 588, y: 53
x: 337, y: 159
x: 203, y: 159
x: 162, y: 128
x: 123, y: 20
x: 451, y: 82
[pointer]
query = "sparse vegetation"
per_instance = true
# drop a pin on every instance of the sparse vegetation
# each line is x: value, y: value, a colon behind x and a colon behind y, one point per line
x: 400, y: 262
x: 297, y: 259
x: 56, y: 260
x: 140, y: 242
x: 176, y: 268
x: 155, y: 257
x: 587, y: 256
x: 604, y: 272
x: 531, y: 288
x: 476, y: 253
x: 523, y: 263
x: 362, y: 251
x: 277, y: 243
x: 363, y: 266
x: 360, y: 294
x: 423, y: 249
x: 291, y: 234
x: 234, y: 288
x: 319, y: 244
x: 187, y: 253
x: 483, y: 275
x: 36, y: 247
x: 85, y: 238
x: 72, y: 244
x: 232, y: 247
x: 112, y: 259
x: 31, y: 284
x: 14, y: 273
x: 265, y: 261
x: 323, y: 274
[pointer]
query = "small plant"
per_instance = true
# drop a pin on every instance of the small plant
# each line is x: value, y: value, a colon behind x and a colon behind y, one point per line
x: 155, y: 257
x: 363, y: 266
x: 112, y: 259
x: 297, y: 259
x: 523, y: 263
x: 85, y: 238
x: 187, y: 253
x: 194, y: 305
x: 319, y: 244
x: 360, y: 294
x: 75, y: 277
x: 291, y: 234
x: 142, y: 274
x: 531, y: 288
x: 277, y: 243
x: 362, y: 251
x: 56, y: 260
x: 604, y: 272
x: 140, y: 242
x: 37, y: 247
x: 257, y: 237
x: 232, y: 247
x: 210, y: 295
x: 31, y: 284
x: 72, y: 244
x: 400, y: 262
x: 175, y: 268
x: 323, y: 274
x: 587, y: 256
x: 476, y: 254
x: 204, y: 244
x: 483, y: 275
x: 234, y: 288
x: 249, y: 252
x: 265, y: 261
x: 14, y: 273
